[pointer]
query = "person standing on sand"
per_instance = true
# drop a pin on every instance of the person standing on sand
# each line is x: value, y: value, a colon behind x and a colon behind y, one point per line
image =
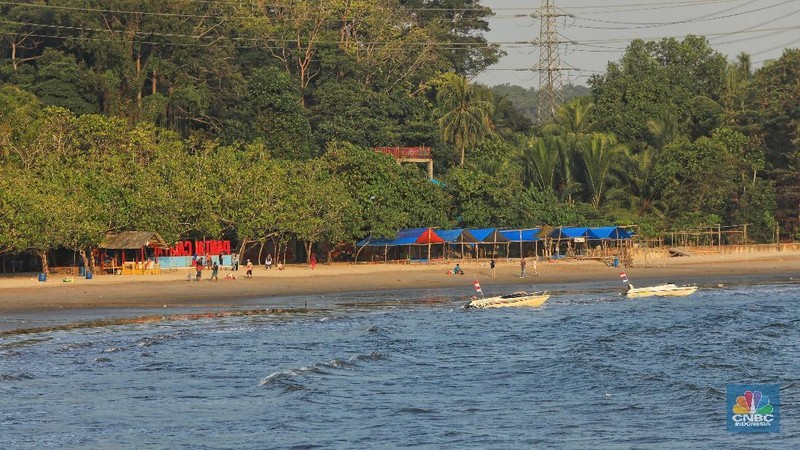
x: 214, y: 272
x: 535, y: 269
x: 208, y: 261
x: 249, y: 269
x: 268, y: 261
x: 235, y: 262
x: 492, y: 265
x: 220, y: 258
x: 199, y: 269
x: 522, y: 264
x: 313, y: 261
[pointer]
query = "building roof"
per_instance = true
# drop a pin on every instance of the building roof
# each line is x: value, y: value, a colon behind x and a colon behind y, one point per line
x: 531, y: 235
x: 488, y: 235
x: 409, y: 236
x: 133, y: 240
x: 609, y: 233
x: 456, y: 235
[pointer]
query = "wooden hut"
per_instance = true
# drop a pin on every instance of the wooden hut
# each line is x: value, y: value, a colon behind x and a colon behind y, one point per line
x: 131, y: 252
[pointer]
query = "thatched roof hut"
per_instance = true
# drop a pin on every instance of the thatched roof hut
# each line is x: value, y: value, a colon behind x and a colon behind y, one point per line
x: 133, y: 240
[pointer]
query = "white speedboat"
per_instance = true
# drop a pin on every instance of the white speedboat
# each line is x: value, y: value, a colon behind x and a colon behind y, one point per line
x: 515, y: 299
x: 661, y: 290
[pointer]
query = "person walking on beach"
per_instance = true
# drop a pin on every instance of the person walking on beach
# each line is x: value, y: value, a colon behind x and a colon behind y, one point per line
x: 199, y: 269
x: 249, y: 269
x: 492, y: 265
x: 522, y: 264
x: 214, y: 272
x: 268, y: 261
x: 235, y: 262
x: 535, y: 268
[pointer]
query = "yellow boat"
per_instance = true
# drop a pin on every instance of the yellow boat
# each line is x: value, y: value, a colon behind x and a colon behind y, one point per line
x: 515, y: 299
x: 661, y: 290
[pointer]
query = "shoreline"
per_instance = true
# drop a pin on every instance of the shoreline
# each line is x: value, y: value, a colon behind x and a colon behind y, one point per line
x: 24, y: 298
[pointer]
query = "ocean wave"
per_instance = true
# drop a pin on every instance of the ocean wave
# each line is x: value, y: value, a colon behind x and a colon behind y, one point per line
x: 285, y: 376
x: 15, y: 376
x: 74, y: 346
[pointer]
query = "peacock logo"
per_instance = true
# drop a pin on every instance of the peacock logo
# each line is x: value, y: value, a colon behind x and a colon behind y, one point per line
x: 754, y: 408
x: 752, y: 403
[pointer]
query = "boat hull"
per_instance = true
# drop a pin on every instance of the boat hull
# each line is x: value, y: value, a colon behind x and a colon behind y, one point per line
x: 529, y: 301
x: 664, y: 290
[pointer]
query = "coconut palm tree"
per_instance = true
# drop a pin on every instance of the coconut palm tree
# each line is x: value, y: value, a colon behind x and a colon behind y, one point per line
x: 599, y: 153
x: 638, y: 192
x: 464, y: 115
x: 539, y: 159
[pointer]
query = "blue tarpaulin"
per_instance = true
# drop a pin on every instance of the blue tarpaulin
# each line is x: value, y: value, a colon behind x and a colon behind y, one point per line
x: 609, y: 233
x: 522, y: 235
x: 456, y: 235
x: 569, y: 232
x: 408, y: 236
x: 488, y: 235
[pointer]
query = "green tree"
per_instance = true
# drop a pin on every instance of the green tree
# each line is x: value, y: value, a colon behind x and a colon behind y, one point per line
x: 600, y: 153
x: 655, y: 79
x: 464, y: 114
x: 695, y: 180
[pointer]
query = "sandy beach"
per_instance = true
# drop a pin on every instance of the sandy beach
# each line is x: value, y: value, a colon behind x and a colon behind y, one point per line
x: 171, y: 289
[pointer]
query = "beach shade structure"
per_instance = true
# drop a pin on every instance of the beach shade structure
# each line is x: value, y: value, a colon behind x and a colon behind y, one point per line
x: 132, y: 252
x: 609, y: 233
x: 489, y: 239
x: 413, y: 240
x: 526, y: 240
x: 572, y: 236
x: 611, y: 241
x: 455, y: 239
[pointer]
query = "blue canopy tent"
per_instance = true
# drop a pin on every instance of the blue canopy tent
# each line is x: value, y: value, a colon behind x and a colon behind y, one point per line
x: 571, y: 235
x: 611, y: 242
x: 487, y: 237
x: 413, y: 238
x: 522, y: 237
x: 456, y: 238
x: 609, y: 233
x: 579, y: 238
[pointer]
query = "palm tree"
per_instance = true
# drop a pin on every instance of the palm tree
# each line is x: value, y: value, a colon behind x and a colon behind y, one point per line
x: 574, y: 117
x: 572, y: 124
x: 539, y: 160
x: 464, y: 117
x: 665, y: 129
x: 638, y: 192
x: 600, y: 152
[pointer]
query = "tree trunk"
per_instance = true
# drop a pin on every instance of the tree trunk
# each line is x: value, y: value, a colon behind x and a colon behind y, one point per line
x: 14, y: 55
x: 43, y: 256
x: 308, y: 246
x: 85, y: 260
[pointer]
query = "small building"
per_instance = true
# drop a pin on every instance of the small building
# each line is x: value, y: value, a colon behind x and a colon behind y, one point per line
x: 131, y: 253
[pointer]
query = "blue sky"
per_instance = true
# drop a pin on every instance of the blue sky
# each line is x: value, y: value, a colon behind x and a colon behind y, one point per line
x: 599, y: 31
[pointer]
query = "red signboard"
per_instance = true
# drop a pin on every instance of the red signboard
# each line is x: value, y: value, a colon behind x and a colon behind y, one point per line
x: 191, y: 248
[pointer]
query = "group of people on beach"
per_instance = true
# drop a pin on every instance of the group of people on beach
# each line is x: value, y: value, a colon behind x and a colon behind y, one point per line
x: 207, y: 262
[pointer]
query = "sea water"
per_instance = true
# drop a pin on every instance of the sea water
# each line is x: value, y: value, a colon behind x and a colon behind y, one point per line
x: 414, y: 369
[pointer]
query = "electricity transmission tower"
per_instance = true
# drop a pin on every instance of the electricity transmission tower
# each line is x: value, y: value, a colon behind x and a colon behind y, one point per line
x: 549, y: 67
